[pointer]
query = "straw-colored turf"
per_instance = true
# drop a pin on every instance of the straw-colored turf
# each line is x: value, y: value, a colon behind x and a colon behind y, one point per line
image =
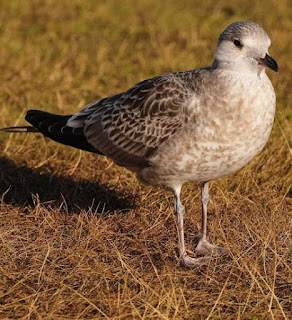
x: 80, y: 238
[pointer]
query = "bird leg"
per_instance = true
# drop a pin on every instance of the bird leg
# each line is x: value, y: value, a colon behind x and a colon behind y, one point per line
x: 204, y: 246
x: 185, y: 259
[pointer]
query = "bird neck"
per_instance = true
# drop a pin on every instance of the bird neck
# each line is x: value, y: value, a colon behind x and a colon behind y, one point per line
x: 239, y: 66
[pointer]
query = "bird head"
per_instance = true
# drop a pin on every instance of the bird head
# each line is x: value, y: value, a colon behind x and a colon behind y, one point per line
x: 244, y: 47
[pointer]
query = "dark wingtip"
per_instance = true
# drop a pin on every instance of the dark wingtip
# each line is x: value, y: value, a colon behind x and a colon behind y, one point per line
x: 19, y: 129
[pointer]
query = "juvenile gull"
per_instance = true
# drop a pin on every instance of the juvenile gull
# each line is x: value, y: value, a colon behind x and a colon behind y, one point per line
x: 196, y: 126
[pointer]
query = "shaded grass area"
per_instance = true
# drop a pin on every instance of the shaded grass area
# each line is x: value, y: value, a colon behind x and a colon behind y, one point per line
x: 80, y: 238
x: 21, y: 185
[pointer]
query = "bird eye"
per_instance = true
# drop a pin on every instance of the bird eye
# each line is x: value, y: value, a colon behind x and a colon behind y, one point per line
x: 238, y: 43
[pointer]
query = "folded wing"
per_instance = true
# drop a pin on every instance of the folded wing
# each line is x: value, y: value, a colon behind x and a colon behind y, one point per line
x: 131, y: 126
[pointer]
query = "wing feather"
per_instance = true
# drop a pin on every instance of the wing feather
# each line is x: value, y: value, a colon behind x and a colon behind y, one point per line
x: 132, y: 125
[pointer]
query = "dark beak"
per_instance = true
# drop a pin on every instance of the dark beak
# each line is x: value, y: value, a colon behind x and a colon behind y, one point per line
x: 269, y: 62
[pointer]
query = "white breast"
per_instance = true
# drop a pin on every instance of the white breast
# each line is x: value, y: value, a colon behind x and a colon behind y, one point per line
x: 228, y: 131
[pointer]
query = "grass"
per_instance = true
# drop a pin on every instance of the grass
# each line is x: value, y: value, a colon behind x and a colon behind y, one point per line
x: 80, y: 237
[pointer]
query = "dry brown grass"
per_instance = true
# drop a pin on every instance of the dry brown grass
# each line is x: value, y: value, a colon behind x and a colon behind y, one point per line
x: 80, y: 237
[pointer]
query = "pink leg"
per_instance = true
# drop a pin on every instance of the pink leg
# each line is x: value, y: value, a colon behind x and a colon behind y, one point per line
x: 185, y: 259
x: 204, y: 246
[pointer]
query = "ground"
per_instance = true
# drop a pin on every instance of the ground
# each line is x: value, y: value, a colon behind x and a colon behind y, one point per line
x: 80, y: 238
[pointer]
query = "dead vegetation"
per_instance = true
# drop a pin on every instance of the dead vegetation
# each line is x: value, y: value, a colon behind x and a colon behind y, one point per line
x: 80, y: 238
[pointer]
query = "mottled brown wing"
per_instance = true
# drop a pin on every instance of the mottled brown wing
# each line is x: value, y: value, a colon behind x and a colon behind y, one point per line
x: 132, y: 127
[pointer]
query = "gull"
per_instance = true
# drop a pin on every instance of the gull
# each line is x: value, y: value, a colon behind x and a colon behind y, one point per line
x: 192, y: 126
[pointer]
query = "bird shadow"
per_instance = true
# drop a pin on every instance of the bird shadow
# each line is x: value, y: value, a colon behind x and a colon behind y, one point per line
x: 23, y: 186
